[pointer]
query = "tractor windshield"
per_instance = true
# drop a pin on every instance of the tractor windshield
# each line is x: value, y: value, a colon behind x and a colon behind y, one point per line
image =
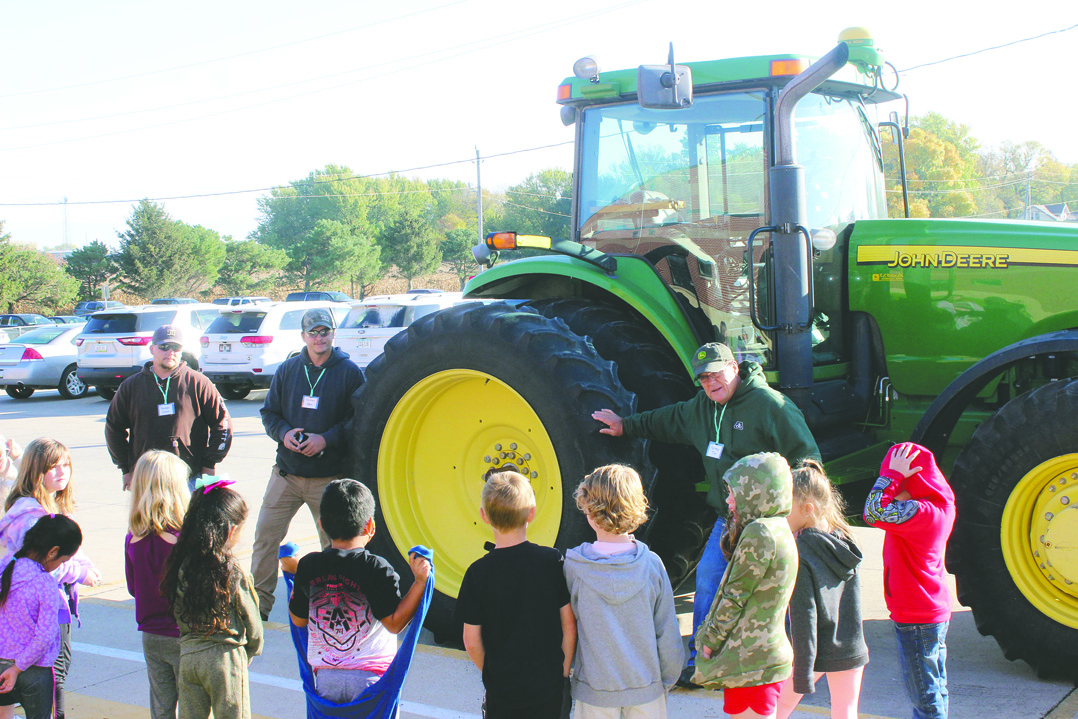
x: 684, y: 188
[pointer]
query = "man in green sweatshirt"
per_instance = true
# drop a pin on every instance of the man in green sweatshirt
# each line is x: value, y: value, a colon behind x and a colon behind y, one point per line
x: 737, y: 414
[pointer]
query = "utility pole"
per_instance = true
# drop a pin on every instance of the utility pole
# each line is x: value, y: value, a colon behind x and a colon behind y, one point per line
x: 479, y: 194
x: 1029, y: 194
x: 65, y: 221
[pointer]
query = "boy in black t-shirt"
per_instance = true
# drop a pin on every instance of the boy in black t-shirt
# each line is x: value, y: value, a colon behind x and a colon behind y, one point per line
x: 349, y: 598
x: 518, y: 626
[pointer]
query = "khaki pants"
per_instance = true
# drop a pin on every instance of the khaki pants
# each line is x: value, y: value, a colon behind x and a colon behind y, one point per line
x: 285, y: 494
x: 214, y: 679
x: 655, y: 709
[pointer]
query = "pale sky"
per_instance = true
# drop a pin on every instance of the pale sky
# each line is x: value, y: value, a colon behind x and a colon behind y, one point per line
x: 110, y: 101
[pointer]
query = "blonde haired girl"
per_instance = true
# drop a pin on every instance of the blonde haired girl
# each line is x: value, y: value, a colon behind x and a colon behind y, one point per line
x: 825, y: 610
x: 43, y: 488
x: 158, y: 502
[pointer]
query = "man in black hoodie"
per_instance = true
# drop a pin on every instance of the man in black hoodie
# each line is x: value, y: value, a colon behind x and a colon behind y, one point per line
x: 308, y: 404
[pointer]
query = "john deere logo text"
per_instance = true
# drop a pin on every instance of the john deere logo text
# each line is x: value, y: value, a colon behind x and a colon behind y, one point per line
x: 947, y: 258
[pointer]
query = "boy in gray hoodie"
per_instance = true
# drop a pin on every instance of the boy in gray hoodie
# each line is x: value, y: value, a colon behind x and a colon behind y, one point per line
x: 629, y: 648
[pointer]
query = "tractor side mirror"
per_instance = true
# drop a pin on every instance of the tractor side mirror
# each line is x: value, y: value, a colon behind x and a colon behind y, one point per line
x: 664, y: 87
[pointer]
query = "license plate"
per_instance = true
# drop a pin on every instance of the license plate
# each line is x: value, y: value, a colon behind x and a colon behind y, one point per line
x: 102, y: 347
x: 224, y: 348
x: 361, y: 343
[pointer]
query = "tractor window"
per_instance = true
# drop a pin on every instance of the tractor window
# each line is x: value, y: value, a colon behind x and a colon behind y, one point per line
x: 684, y: 188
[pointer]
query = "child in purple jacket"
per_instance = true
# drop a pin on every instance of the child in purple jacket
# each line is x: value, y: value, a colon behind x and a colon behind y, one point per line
x: 158, y: 502
x: 43, y: 488
x: 29, y: 616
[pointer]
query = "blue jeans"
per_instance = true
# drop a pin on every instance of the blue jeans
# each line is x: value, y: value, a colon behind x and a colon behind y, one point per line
x: 922, y: 656
x: 708, y: 578
x: 33, y: 690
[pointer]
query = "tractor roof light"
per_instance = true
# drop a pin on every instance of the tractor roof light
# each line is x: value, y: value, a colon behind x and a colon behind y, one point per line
x: 513, y: 241
x: 587, y: 68
x: 783, y: 68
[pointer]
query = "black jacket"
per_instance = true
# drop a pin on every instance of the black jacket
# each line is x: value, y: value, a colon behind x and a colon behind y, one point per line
x: 284, y: 411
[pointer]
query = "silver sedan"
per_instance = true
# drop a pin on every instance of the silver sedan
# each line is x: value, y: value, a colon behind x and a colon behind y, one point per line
x: 44, y: 358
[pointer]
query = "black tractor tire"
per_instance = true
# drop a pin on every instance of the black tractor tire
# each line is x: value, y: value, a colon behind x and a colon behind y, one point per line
x: 234, y: 391
x: 1019, y: 471
x: 71, y: 387
x: 466, y: 389
x: 106, y: 393
x: 18, y: 392
x: 647, y: 366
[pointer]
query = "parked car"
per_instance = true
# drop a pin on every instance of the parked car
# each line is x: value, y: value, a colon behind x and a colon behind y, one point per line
x: 174, y: 301
x: 330, y: 296
x: 68, y: 319
x: 116, y: 344
x: 44, y: 358
x: 244, y: 346
x: 90, y: 306
x: 373, y: 321
x: 16, y: 325
x: 234, y: 301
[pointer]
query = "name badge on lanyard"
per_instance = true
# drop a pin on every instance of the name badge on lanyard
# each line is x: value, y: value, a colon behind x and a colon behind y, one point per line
x: 164, y: 410
x: 714, y: 450
x: 309, y: 402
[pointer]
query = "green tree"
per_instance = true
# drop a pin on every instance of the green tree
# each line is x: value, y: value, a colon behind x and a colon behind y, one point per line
x: 32, y: 279
x: 290, y: 214
x: 457, y: 253
x: 250, y: 267
x: 92, y: 266
x: 540, y: 205
x: 162, y: 257
x: 337, y: 252
x: 411, y: 243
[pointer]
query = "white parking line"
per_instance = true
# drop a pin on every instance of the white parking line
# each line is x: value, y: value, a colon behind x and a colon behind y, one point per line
x: 422, y: 710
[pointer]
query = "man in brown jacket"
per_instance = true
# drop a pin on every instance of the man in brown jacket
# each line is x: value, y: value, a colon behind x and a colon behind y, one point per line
x: 168, y: 406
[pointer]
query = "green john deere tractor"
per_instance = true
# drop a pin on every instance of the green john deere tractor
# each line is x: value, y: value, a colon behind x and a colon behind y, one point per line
x: 743, y: 201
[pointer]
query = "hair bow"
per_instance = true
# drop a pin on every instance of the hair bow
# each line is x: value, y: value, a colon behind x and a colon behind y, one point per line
x: 207, y: 482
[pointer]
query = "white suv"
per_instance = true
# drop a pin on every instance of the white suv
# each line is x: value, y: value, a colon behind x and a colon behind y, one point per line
x: 373, y: 321
x: 115, y: 344
x: 245, y: 345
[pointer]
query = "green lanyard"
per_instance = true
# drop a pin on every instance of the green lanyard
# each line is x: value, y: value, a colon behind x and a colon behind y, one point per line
x: 164, y: 392
x: 718, y: 421
x: 317, y: 379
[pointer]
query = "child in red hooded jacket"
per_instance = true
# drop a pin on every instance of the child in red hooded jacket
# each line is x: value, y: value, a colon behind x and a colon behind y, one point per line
x: 913, y: 503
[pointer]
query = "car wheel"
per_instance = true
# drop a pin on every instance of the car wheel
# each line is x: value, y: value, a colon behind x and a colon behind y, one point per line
x: 18, y: 392
x: 234, y: 391
x: 71, y: 387
x: 106, y: 393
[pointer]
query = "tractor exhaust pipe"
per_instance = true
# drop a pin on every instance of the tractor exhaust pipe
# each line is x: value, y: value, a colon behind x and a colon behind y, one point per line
x: 792, y: 256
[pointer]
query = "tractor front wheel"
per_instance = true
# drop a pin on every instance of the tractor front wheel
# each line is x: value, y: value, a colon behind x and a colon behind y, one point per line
x: 1014, y: 548
x: 467, y: 389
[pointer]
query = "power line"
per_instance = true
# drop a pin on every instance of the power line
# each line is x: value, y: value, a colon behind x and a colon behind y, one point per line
x: 438, y: 56
x: 231, y: 57
x: 315, y: 181
x: 987, y: 49
x: 534, y: 209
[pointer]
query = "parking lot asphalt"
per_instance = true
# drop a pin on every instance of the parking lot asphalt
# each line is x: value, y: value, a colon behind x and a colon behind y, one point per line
x: 108, y: 676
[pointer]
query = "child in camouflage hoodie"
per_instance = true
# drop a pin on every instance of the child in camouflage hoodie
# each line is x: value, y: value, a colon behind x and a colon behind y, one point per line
x: 743, y: 644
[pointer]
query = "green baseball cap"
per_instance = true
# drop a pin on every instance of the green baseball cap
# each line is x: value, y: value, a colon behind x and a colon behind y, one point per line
x: 317, y: 318
x: 711, y: 358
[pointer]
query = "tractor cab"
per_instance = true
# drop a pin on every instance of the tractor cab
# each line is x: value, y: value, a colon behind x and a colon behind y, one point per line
x: 685, y: 187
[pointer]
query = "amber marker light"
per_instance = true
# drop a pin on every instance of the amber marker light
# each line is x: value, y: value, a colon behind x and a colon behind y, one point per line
x: 780, y: 68
x: 565, y: 92
x: 502, y: 240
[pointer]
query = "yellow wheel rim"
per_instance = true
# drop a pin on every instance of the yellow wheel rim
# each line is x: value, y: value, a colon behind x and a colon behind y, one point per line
x: 1040, y: 538
x: 442, y: 436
